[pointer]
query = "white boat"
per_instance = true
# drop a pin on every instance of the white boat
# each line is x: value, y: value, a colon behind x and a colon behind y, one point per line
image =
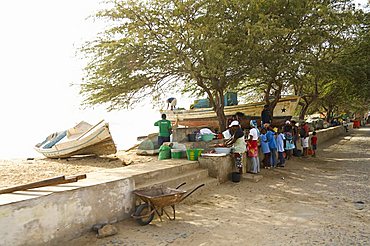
x: 83, y: 139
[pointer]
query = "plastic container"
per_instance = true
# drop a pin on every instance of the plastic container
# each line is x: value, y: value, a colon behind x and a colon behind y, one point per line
x: 207, y: 137
x: 222, y: 150
x: 193, y: 154
x: 235, y: 177
x: 176, y: 153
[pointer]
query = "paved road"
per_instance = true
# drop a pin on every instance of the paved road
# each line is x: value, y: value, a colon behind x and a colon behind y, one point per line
x: 314, y: 201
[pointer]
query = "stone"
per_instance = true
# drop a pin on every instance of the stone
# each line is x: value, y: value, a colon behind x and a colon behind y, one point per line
x: 96, y: 227
x: 106, y: 231
x: 252, y: 177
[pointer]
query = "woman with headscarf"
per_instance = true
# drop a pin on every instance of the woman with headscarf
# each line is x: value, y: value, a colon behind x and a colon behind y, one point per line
x: 252, y: 147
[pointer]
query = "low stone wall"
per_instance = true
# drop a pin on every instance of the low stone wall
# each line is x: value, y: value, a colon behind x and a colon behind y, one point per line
x: 60, y: 216
x: 221, y: 167
x: 324, y: 135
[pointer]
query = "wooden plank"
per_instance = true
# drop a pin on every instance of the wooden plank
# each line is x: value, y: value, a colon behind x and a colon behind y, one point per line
x: 45, y: 182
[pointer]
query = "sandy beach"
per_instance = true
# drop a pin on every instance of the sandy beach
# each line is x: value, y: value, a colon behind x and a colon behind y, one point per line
x: 22, y: 171
x: 313, y: 201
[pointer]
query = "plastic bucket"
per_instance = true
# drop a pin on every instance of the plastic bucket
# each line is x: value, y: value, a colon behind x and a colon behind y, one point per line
x: 207, y: 137
x: 235, y: 177
x: 192, y: 137
x: 193, y: 154
x: 176, y: 153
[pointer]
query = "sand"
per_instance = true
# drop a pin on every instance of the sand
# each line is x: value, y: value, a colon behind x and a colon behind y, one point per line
x: 314, y: 201
x: 22, y: 171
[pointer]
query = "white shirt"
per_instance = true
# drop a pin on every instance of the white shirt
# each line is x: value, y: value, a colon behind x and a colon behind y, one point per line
x: 253, y: 132
x: 280, y: 142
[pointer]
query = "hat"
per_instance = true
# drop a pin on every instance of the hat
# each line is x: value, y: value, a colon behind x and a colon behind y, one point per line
x: 253, y: 123
x: 234, y: 123
x: 287, y: 122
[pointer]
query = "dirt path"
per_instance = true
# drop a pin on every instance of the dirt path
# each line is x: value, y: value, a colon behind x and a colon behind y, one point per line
x: 310, y: 202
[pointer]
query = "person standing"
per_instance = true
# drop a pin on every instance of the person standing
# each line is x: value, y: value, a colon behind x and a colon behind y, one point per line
x: 165, y: 130
x: 295, y: 136
x: 237, y: 141
x: 314, y: 143
x: 288, y: 133
x: 265, y: 116
x: 265, y: 149
x: 280, y: 148
x: 253, y: 147
x: 272, y: 145
x: 171, y: 102
x: 304, y: 138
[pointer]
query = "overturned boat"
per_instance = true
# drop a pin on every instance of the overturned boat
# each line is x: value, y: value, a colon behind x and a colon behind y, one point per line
x: 83, y: 139
x: 206, y: 117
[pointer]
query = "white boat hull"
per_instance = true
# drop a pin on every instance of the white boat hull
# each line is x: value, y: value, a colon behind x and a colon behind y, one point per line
x: 95, y: 141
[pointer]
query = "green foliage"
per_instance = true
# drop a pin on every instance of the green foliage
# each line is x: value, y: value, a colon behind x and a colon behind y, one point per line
x: 264, y: 48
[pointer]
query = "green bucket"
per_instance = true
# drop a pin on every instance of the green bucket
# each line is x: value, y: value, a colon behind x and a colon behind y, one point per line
x: 176, y: 153
x: 193, y: 154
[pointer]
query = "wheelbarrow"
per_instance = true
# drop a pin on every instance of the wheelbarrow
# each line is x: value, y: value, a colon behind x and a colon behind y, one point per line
x: 153, y: 200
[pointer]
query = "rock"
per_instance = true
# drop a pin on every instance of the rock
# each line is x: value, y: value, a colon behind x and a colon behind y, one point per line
x: 96, y: 227
x: 106, y: 231
x: 360, y: 205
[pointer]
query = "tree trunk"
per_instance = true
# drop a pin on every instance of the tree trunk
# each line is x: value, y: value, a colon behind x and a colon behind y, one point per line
x: 218, y: 105
x: 303, y: 111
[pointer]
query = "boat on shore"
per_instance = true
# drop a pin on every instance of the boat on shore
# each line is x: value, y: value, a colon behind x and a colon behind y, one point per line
x: 206, y: 117
x: 82, y: 139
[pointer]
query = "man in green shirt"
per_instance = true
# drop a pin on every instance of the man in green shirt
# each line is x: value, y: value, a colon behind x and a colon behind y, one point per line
x: 165, y: 130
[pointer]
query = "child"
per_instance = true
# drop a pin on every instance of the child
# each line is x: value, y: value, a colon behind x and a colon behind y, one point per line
x: 314, y: 144
x: 272, y: 145
x: 265, y: 149
x: 280, y: 148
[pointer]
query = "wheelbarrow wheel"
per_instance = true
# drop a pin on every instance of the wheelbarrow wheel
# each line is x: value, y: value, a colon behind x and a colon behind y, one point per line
x: 144, y: 214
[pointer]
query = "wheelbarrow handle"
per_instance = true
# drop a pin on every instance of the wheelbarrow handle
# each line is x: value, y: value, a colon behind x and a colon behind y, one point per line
x: 180, y: 185
x: 191, y: 192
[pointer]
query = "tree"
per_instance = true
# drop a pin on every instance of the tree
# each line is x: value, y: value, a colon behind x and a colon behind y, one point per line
x: 156, y: 45
x: 335, y: 28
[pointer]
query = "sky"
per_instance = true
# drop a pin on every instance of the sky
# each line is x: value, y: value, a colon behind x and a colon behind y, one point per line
x: 38, y: 43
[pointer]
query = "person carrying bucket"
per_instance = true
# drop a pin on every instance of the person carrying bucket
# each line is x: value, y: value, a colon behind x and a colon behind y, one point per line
x: 237, y: 141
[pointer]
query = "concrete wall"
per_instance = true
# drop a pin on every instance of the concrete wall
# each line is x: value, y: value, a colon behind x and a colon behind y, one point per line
x: 324, y: 135
x: 57, y: 217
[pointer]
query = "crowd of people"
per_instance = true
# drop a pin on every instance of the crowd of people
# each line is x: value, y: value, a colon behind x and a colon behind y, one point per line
x: 277, y: 144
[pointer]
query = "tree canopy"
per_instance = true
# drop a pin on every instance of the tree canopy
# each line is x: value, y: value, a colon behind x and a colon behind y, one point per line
x: 207, y: 47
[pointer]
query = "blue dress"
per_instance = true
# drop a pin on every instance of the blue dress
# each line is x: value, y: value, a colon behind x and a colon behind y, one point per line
x: 264, y: 144
x: 289, y: 144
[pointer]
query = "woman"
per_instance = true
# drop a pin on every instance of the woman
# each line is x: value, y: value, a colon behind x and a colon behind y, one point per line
x: 237, y: 141
x: 252, y: 147
x: 289, y: 142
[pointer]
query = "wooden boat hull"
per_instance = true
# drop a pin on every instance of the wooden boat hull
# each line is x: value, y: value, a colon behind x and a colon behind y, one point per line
x: 206, y: 117
x: 97, y: 141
